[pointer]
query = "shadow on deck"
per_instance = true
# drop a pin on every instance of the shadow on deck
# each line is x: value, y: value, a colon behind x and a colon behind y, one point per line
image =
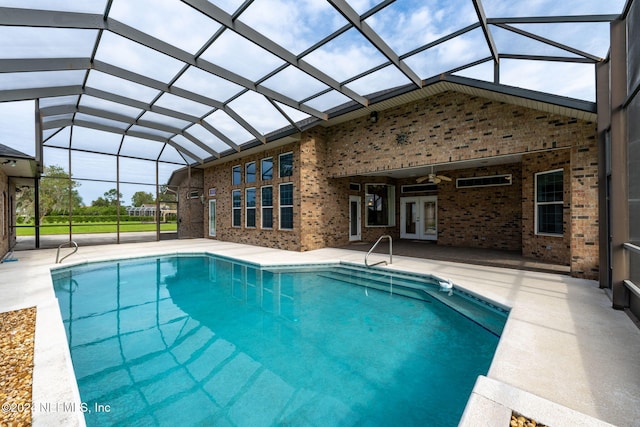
x: 479, y: 256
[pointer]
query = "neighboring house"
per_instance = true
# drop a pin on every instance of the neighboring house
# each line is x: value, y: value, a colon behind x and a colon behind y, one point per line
x: 16, y: 171
x: 510, y: 169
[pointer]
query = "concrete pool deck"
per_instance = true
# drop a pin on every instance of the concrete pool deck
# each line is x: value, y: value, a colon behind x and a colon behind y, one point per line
x: 565, y: 354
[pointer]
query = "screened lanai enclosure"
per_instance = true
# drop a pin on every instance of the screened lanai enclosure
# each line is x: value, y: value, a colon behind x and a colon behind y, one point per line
x: 110, y: 97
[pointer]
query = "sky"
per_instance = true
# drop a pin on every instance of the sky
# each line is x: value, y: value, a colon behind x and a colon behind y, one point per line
x: 295, y: 25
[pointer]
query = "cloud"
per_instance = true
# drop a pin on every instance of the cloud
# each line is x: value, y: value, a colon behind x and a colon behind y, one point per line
x: 571, y: 80
x: 241, y: 56
x: 135, y: 57
x: 184, y: 29
x: 293, y: 24
x: 17, y: 127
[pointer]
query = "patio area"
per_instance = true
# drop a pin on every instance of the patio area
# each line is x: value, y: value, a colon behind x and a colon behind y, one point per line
x: 477, y: 256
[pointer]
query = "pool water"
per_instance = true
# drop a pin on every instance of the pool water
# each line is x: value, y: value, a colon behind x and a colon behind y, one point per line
x: 202, y: 340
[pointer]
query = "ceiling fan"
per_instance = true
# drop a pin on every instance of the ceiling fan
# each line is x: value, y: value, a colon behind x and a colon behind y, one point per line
x: 432, y: 178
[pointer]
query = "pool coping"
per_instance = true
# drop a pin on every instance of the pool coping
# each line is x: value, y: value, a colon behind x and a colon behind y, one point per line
x: 54, y: 380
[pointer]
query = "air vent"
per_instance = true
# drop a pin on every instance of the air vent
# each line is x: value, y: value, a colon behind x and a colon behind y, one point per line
x: 419, y: 188
x: 484, y: 181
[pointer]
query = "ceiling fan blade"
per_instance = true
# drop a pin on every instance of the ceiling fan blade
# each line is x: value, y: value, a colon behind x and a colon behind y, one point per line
x: 422, y: 179
x: 444, y: 178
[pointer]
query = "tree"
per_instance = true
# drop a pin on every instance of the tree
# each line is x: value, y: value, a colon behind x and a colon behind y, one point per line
x: 167, y: 195
x: 140, y: 198
x: 57, y: 193
x: 110, y: 198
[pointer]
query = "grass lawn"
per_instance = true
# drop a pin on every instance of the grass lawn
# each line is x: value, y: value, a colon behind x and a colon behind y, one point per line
x: 97, y: 227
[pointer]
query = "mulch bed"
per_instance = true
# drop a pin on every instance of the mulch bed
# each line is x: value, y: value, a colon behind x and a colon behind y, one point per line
x: 17, y: 330
x: 518, y: 420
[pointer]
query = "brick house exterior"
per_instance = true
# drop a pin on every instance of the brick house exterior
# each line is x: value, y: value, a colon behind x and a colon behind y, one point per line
x: 16, y: 170
x: 462, y: 136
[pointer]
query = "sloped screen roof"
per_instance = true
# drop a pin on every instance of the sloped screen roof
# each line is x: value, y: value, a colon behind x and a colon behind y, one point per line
x: 187, y: 81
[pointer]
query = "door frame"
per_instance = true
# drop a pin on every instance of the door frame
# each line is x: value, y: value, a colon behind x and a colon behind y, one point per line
x: 403, y: 217
x: 212, y: 209
x: 419, y: 201
x: 358, y: 202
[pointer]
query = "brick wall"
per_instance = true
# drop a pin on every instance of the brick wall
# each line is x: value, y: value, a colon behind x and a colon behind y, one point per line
x: 444, y: 128
x: 584, y: 209
x: 481, y: 217
x: 448, y: 127
x: 219, y: 177
x: 191, y: 212
x: 548, y: 248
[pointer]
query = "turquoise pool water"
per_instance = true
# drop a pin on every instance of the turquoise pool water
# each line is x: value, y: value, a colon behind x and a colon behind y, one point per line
x: 202, y: 340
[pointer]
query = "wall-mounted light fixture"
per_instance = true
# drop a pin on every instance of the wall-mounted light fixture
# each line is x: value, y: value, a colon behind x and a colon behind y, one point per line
x: 11, y: 163
x: 373, y: 117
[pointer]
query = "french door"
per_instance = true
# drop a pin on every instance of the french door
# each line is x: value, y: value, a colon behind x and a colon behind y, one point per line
x: 419, y: 218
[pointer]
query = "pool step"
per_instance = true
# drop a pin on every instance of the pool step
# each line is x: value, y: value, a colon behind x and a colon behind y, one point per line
x: 426, y: 289
x: 409, y: 287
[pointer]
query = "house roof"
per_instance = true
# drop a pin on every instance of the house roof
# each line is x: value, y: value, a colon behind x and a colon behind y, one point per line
x: 186, y: 82
x: 17, y: 165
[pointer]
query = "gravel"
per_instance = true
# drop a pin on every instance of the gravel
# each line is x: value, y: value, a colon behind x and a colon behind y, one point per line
x: 17, y: 330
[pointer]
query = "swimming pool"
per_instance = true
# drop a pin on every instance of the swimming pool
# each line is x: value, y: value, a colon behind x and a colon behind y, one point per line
x: 203, y: 340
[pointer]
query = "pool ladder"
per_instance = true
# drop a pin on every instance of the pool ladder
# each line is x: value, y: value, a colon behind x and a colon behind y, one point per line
x: 385, y: 236
x: 70, y: 243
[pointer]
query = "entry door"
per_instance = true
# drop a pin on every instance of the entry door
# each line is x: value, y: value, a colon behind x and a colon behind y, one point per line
x: 212, y: 218
x: 355, y: 223
x: 419, y: 218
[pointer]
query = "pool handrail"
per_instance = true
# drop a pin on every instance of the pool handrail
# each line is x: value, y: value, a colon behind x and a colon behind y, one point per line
x: 384, y: 236
x: 69, y: 243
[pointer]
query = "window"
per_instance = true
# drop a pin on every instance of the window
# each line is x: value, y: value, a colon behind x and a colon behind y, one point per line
x: 266, y: 201
x: 380, y: 199
x: 354, y: 186
x: 286, y: 206
x: 236, y: 175
x: 236, y: 195
x: 250, y: 172
x: 549, y: 202
x: 250, y: 200
x: 266, y: 168
x: 286, y: 164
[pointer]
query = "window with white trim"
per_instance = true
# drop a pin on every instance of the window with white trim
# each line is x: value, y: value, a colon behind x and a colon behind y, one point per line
x: 266, y: 203
x: 266, y: 168
x: 381, y: 205
x: 549, y: 189
x: 250, y: 172
x: 250, y: 206
x: 236, y: 217
x: 286, y: 206
x: 285, y: 164
x: 236, y: 175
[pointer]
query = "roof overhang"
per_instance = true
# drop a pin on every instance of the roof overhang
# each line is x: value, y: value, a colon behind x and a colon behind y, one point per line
x: 540, y: 101
x: 16, y: 164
